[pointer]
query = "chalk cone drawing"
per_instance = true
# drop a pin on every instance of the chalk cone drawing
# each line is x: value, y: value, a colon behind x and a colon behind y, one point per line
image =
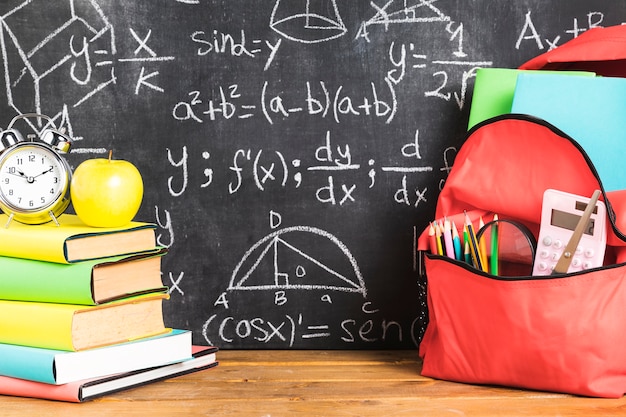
x: 318, y: 21
x: 274, y: 263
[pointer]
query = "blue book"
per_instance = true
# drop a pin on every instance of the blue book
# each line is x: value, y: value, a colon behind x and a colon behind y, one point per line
x: 61, y: 367
x: 589, y: 109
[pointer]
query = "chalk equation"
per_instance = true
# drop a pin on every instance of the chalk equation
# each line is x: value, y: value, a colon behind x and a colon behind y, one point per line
x: 375, y: 100
x: 314, y: 99
x: 293, y: 330
x: 272, y: 168
x: 77, y: 49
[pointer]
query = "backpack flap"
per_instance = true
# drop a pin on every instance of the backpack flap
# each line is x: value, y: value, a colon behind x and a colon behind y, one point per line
x: 599, y: 50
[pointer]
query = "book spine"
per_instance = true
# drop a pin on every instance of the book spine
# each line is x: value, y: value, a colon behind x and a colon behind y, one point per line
x: 34, y: 324
x: 32, y: 280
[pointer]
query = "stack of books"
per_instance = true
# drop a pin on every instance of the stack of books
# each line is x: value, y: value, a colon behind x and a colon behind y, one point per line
x: 81, y: 312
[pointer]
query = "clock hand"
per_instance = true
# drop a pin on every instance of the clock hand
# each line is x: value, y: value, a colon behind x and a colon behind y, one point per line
x: 19, y: 174
x: 45, y: 172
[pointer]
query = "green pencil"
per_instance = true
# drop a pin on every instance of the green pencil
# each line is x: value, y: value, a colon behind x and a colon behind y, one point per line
x: 494, y: 246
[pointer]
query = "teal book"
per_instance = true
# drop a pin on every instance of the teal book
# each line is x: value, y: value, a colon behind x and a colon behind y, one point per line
x: 204, y: 357
x: 61, y: 367
x: 589, y: 109
x: 90, y: 282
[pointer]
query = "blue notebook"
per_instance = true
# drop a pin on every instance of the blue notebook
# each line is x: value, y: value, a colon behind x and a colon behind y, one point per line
x: 591, y: 110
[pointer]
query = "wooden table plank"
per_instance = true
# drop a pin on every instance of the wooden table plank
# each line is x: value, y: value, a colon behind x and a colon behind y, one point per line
x: 318, y: 383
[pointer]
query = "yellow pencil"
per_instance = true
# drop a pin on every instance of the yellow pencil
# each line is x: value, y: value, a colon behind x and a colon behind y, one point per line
x: 482, y: 246
x: 438, y: 236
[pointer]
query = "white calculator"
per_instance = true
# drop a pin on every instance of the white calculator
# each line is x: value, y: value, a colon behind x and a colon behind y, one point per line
x: 560, y: 214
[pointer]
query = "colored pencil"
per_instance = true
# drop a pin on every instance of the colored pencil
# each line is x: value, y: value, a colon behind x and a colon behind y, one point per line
x: 494, y: 246
x: 458, y: 252
x: 447, y: 238
x: 482, y: 246
x: 467, y: 253
x: 438, y: 238
x: 473, y: 244
x: 432, y: 240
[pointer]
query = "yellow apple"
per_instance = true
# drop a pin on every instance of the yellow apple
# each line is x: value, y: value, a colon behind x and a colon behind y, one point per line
x: 106, y: 192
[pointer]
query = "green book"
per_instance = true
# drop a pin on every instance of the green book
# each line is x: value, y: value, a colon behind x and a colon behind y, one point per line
x: 85, y: 283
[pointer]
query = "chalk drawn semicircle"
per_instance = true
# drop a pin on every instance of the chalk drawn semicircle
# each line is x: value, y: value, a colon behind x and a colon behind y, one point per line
x: 268, y: 249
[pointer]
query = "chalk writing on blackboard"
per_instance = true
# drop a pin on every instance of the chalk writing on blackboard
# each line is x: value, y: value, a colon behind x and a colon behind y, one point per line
x: 318, y: 21
x: 287, y: 330
x: 396, y: 12
x: 290, y: 265
x: 275, y: 269
x: 84, y: 39
x: 343, y: 117
x: 269, y: 168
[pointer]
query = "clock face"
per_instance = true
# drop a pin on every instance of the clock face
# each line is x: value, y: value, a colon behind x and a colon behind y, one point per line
x: 32, y: 178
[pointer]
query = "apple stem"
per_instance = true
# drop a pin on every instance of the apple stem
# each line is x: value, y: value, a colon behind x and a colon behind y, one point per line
x: 110, y: 154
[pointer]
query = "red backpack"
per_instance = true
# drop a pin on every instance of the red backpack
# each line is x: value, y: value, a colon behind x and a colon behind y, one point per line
x: 564, y: 332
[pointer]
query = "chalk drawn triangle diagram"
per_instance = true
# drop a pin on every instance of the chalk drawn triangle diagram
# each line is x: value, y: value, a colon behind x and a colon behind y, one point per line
x: 317, y: 21
x: 407, y: 11
x: 275, y: 263
x: 291, y: 268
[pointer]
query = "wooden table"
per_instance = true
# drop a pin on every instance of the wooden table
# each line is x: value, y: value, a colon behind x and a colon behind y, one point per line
x: 317, y: 383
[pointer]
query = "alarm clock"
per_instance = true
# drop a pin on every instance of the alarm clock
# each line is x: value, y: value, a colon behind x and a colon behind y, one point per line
x: 34, y: 176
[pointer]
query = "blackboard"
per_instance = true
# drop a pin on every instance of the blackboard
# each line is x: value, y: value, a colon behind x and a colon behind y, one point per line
x: 291, y: 150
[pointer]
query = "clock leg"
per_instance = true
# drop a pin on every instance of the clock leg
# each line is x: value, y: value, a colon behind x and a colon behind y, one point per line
x: 6, y: 226
x: 54, y: 219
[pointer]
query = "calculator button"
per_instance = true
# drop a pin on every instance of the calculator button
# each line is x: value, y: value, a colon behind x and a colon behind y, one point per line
x: 576, y: 262
x: 558, y: 244
x: 589, y: 252
x: 547, y: 241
